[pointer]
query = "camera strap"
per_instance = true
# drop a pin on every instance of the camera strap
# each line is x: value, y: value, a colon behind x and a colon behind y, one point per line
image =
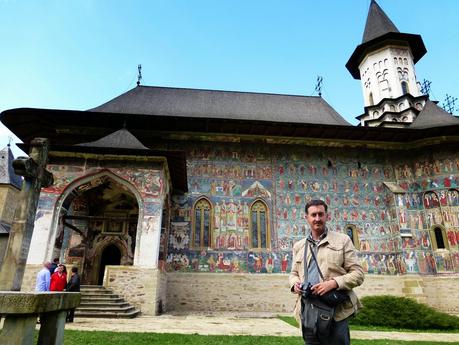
x: 306, y: 264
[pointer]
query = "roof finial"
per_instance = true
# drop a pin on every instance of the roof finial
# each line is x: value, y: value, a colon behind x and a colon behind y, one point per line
x: 318, y: 88
x: 10, y: 140
x: 139, y: 75
x: 450, y: 104
x: 425, y: 87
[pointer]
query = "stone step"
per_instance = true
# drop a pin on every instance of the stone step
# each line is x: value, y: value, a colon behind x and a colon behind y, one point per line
x: 98, y: 294
x: 92, y: 287
x: 104, y: 304
x: 99, y: 314
x: 101, y: 299
x: 97, y: 291
x: 95, y: 288
x: 104, y: 309
x: 100, y: 302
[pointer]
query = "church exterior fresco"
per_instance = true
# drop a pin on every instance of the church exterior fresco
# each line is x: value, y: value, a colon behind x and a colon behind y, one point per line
x: 147, y: 181
x: 394, y: 228
x: 431, y: 200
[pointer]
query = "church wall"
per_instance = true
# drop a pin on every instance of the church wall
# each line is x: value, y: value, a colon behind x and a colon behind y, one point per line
x: 358, y: 186
x: 354, y: 183
x: 145, y: 288
x: 270, y: 293
x: 229, y: 292
x: 430, y: 198
x: 350, y: 181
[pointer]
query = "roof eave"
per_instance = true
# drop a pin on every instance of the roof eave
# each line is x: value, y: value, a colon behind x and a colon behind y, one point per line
x: 415, y: 43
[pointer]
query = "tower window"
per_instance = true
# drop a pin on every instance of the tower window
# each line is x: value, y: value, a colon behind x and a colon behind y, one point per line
x: 259, y: 226
x: 404, y: 88
x: 201, y: 234
x: 370, y: 98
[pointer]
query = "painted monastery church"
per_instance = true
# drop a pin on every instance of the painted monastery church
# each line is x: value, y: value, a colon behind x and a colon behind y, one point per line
x: 190, y: 200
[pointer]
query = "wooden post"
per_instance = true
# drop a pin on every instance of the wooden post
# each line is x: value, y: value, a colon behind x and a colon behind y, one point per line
x: 36, y: 176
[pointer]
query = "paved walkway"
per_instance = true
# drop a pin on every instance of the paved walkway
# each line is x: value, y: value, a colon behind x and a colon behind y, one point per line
x: 231, y: 325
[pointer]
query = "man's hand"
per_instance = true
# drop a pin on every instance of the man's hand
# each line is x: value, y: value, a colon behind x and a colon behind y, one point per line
x: 297, y: 288
x: 324, y: 287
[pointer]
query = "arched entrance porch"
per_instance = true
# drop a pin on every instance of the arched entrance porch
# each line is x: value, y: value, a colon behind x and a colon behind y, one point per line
x: 98, y: 221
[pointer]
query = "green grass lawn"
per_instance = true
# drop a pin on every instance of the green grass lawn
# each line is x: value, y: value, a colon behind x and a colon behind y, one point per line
x: 291, y: 321
x: 112, y: 338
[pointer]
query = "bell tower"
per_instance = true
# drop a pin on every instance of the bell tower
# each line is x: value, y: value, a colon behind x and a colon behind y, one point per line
x: 385, y: 64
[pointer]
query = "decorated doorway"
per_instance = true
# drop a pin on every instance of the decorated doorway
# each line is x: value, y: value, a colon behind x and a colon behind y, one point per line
x: 98, y: 226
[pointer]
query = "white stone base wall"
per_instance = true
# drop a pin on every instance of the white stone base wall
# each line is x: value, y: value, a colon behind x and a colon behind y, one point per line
x: 443, y: 293
x: 269, y: 293
x: 226, y: 292
x: 30, y: 277
x: 154, y: 291
x: 142, y: 287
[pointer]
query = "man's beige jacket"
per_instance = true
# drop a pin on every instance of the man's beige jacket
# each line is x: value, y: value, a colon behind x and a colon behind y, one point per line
x: 337, y: 259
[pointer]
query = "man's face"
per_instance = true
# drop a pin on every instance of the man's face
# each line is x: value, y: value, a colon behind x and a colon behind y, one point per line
x: 317, y: 218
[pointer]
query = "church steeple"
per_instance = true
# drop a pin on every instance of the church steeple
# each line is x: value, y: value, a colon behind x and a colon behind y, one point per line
x: 378, y: 23
x: 384, y: 62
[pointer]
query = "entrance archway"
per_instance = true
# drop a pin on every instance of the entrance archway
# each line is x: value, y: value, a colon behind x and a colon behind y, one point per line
x: 98, y: 221
x: 111, y: 255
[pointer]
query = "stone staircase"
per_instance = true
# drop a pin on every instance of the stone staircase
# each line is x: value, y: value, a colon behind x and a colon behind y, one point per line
x: 100, y: 302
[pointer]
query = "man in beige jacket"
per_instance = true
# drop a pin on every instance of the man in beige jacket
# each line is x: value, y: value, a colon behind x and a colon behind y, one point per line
x: 337, y: 260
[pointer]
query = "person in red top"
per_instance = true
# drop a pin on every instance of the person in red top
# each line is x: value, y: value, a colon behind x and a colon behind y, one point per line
x: 58, y: 279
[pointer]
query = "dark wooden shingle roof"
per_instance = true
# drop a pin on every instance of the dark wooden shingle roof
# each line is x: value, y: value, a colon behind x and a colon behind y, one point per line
x: 378, y: 23
x: 229, y: 105
x: 121, y: 139
x: 433, y: 116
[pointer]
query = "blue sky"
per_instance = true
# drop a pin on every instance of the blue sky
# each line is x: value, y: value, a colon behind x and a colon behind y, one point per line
x: 64, y: 54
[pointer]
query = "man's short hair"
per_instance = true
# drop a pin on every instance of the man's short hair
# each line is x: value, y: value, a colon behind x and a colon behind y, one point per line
x: 56, y: 260
x: 75, y: 269
x: 316, y: 202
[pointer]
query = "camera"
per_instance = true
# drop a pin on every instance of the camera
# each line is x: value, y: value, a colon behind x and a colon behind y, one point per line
x: 306, y: 289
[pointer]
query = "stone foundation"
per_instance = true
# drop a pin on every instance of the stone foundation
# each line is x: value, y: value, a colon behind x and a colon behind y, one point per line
x: 30, y: 277
x: 269, y: 293
x: 154, y: 291
x: 142, y: 287
x: 242, y: 293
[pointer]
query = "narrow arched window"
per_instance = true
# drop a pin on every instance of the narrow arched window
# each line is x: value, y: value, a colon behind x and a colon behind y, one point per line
x: 439, y: 238
x: 259, y: 226
x: 405, y: 89
x: 351, y: 231
x: 201, y: 234
x: 370, y: 98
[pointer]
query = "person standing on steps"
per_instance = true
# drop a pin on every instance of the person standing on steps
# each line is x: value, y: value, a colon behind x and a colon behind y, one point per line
x: 73, y: 286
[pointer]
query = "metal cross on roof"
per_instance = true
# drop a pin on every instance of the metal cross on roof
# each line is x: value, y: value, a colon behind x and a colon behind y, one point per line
x: 318, y: 88
x: 450, y: 104
x: 425, y: 87
x: 139, y: 75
